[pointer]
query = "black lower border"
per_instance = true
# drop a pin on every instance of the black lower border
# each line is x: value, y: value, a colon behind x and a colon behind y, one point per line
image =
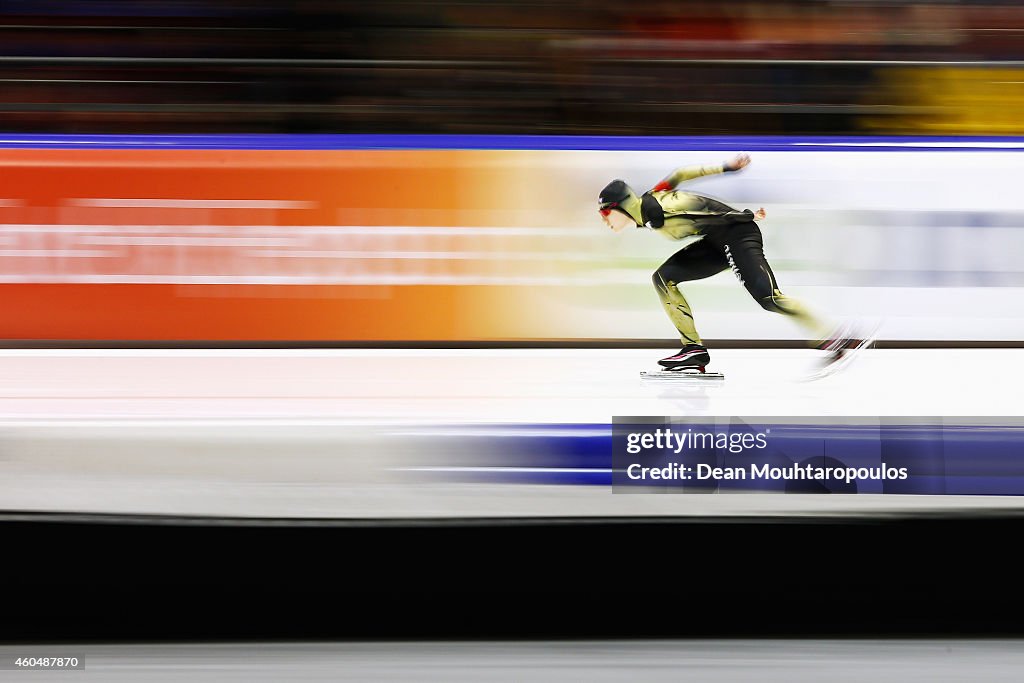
x: 129, y: 579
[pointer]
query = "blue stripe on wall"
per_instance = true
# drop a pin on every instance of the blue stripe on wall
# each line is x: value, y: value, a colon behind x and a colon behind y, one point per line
x: 512, y: 142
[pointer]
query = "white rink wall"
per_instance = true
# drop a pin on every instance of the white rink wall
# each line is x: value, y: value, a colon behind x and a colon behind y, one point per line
x: 920, y: 235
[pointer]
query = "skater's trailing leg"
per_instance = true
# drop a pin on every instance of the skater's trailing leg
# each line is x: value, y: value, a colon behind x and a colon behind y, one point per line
x: 743, y: 249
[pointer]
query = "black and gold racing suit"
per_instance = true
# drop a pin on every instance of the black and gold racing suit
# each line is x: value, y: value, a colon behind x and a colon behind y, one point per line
x: 731, y: 239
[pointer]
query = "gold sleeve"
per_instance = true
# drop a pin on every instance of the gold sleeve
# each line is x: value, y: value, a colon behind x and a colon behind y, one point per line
x: 681, y: 175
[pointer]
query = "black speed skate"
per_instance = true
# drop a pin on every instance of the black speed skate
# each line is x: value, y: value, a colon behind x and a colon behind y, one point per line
x: 691, y: 357
x: 685, y: 367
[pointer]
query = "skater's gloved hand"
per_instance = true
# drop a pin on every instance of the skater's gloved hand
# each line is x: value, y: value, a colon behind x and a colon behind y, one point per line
x: 737, y: 162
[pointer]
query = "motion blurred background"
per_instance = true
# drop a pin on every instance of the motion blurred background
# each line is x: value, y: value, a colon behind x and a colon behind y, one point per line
x: 664, y: 67
x: 394, y: 238
x: 423, y: 174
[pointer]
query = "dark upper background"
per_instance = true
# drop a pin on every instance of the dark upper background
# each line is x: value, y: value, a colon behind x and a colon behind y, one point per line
x: 656, y: 67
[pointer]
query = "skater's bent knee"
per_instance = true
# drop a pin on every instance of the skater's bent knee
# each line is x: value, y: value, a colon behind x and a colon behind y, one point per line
x: 772, y: 304
x: 660, y: 281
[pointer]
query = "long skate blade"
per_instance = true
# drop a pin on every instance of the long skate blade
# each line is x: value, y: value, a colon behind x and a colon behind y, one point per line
x: 681, y: 376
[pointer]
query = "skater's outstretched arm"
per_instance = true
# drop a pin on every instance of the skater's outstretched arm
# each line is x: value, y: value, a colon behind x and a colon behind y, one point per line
x: 681, y: 175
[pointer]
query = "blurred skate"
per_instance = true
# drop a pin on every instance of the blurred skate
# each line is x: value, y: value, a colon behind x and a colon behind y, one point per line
x: 842, y: 347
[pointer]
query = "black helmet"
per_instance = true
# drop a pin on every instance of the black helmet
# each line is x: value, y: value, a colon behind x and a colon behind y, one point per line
x: 618, y: 196
x: 614, y: 194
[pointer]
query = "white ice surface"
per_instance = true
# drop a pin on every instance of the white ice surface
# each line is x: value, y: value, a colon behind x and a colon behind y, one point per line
x: 482, y: 385
x: 296, y: 433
